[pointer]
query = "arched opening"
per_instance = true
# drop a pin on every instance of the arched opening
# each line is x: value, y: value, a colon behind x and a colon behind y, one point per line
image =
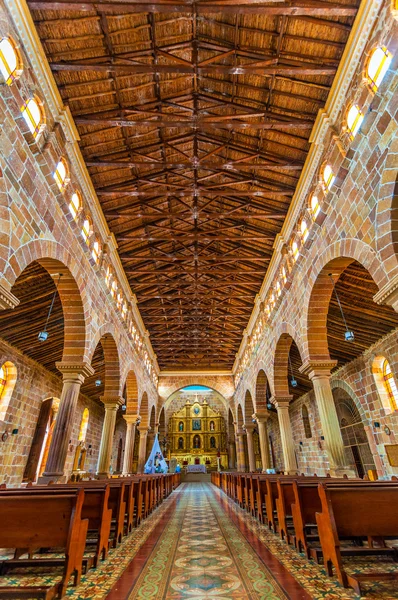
x: 262, y: 390
x: 8, y: 379
x: 131, y: 394
x: 181, y: 426
x: 41, y: 440
x: 356, y: 446
x: 181, y: 443
x: 288, y: 380
x: 385, y: 384
x: 144, y: 410
x: 196, y: 441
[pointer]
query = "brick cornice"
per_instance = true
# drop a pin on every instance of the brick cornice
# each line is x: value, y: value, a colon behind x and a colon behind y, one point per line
x: 314, y: 368
x: 82, y: 369
x: 388, y: 294
x: 281, y: 401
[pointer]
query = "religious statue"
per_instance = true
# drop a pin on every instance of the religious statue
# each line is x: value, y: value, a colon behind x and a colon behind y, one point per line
x: 212, y: 442
x: 211, y: 425
x: 181, y: 426
x: 196, y: 425
x: 196, y: 441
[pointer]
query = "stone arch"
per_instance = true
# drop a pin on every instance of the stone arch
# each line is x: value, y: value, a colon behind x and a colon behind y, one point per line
x: 387, y: 220
x: 152, y: 420
x: 335, y: 259
x: 339, y: 383
x: 71, y: 289
x: 262, y: 390
x: 281, y: 364
x: 5, y: 223
x: 221, y: 384
x: 112, y: 366
x: 131, y: 393
x: 249, y: 408
x: 162, y: 423
x: 144, y: 410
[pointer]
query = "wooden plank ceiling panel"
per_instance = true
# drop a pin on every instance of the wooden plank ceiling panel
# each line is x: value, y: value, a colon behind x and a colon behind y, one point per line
x: 194, y: 121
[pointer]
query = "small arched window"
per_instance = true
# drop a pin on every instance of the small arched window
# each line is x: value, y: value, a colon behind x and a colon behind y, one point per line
x: 10, y: 60
x: 75, y: 205
x: 304, y: 230
x: 295, y: 251
x: 96, y: 251
x: 328, y: 176
x: 354, y: 120
x: 315, y: 206
x: 378, y: 65
x: 84, y: 425
x: 124, y: 310
x: 390, y: 384
x: 284, y: 275
x: 33, y: 114
x: 114, y: 288
x: 181, y: 443
x: 306, y: 422
x: 8, y: 378
x: 86, y: 229
x: 278, y: 288
x: 108, y: 276
x: 119, y: 300
x: 61, y: 174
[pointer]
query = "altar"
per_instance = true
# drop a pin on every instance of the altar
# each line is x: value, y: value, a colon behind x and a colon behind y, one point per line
x: 196, y: 469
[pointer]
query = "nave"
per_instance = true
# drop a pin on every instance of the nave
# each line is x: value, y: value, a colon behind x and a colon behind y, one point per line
x: 200, y: 544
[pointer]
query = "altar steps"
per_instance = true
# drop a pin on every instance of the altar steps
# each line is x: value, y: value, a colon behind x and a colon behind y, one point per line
x: 192, y: 477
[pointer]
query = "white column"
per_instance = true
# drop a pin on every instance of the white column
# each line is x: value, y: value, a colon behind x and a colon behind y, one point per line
x: 289, y: 456
x: 262, y: 418
x: 131, y: 421
x: 108, y: 430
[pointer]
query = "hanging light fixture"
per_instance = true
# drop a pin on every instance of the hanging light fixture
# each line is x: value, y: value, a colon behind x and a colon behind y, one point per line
x: 98, y: 382
x: 293, y: 381
x: 43, y: 335
x: 348, y: 334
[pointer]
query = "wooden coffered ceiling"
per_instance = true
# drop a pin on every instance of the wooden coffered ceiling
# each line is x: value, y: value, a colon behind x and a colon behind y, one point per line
x: 194, y: 120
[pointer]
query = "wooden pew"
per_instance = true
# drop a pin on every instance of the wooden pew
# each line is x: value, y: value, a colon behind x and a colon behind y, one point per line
x: 28, y: 522
x: 95, y: 509
x: 356, y: 511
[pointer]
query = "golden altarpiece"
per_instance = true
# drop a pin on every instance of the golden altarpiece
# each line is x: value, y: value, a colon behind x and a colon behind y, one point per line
x: 196, y: 435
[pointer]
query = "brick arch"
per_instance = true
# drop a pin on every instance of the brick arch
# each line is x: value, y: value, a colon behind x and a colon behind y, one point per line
x: 132, y: 393
x: 249, y: 408
x: 335, y: 259
x: 221, y: 384
x: 144, y: 410
x: 261, y: 390
x: 340, y: 384
x: 387, y: 219
x: 112, y: 366
x: 5, y: 223
x: 281, y: 364
x: 152, y: 419
x: 71, y: 289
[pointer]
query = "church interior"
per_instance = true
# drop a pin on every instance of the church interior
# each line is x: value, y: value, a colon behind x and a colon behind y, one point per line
x: 199, y: 299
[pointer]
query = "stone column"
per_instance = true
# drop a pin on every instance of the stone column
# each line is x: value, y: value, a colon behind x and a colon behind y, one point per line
x: 289, y: 456
x: 131, y: 421
x: 241, y: 451
x: 250, y: 447
x: 108, y: 430
x: 262, y: 418
x: 319, y: 373
x: 231, y: 454
x: 142, y: 448
x: 72, y: 376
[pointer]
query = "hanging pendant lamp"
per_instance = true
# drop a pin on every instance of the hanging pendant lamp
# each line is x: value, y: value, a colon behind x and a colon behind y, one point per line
x: 348, y: 334
x: 43, y: 335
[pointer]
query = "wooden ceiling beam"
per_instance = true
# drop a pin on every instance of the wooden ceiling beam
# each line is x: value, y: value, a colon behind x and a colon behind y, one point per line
x: 212, y: 166
x: 293, y: 9
x: 198, y: 124
x: 190, y: 192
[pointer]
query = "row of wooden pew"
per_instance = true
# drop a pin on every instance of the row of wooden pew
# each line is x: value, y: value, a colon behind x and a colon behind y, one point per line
x: 77, y: 522
x: 323, y: 517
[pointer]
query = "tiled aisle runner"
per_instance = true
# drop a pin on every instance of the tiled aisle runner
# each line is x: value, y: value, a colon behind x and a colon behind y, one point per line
x: 201, y: 554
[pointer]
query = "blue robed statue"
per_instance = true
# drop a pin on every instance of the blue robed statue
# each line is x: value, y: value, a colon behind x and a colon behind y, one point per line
x: 156, y: 462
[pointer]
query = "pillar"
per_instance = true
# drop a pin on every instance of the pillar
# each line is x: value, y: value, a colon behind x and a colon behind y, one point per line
x: 250, y: 447
x: 241, y: 451
x: 142, y: 448
x: 108, y: 429
x: 131, y: 421
x: 73, y: 376
x: 289, y: 456
x: 231, y: 454
x: 319, y: 373
x: 262, y: 418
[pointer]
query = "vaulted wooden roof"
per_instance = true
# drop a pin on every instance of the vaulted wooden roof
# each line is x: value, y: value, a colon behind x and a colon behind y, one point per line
x: 194, y: 120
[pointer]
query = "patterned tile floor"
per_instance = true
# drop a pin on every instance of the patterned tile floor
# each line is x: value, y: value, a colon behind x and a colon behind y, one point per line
x: 199, y: 545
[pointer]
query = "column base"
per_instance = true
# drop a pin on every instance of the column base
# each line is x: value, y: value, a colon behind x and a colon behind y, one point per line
x: 341, y: 471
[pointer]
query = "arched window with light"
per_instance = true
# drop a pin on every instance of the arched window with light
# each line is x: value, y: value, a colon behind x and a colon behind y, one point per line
x: 328, y: 176
x: 96, y: 251
x: 278, y: 288
x: 61, y: 174
x: 10, y: 60
x: 119, y: 300
x: 124, y: 310
x: 114, y: 288
x: 75, y: 205
x: 8, y: 378
x: 33, y: 115
x: 304, y: 230
x: 86, y: 229
x: 108, y: 276
x: 315, y: 207
x: 378, y: 65
x: 390, y: 384
x: 354, y: 120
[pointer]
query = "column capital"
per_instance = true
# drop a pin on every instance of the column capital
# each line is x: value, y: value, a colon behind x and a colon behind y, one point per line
x: 317, y: 368
x: 7, y: 299
x: 281, y: 401
x: 78, y: 370
x: 112, y: 402
x: 130, y: 419
x: 143, y: 429
x: 261, y: 416
x: 249, y: 428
